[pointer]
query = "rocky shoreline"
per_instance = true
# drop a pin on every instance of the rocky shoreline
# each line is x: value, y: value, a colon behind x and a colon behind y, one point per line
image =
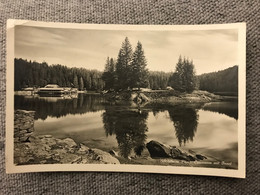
x: 31, y: 149
x: 46, y: 149
x: 165, y: 97
x: 49, y: 150
x: 23, y: 125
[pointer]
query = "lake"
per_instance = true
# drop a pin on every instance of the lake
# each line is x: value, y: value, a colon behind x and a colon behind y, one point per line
x: 209, y: 128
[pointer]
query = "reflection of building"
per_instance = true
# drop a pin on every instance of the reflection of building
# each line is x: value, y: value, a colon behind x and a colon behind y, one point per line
x: 57, y: 106
x: 26, y: 91
x: 54, y: 98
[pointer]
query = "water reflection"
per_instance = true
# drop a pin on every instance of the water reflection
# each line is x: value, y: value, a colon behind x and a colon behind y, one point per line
x: 228, y: 108
x: 59, y: 106
x: 185, y: 121
x: 129, y: 127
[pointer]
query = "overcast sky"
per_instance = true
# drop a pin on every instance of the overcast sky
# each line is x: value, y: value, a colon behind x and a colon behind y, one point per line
x: 211, y: 50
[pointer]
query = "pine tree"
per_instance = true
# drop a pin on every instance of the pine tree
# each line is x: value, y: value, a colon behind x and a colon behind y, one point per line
x: 123, y: 65
x: 107, y: 65
x: 105, y: 75
x: 190, y: 76
x: 176, y: 80
x: 81, y: 84
x: 139, y: 72
x: 184, y: 78
x: 75, y: 81
x: 108, y: 75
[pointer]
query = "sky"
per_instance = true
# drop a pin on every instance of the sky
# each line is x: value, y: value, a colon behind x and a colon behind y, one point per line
x: 210, y: 50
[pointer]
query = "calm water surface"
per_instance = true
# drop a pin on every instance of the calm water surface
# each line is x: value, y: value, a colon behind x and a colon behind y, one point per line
x: 89, y: 119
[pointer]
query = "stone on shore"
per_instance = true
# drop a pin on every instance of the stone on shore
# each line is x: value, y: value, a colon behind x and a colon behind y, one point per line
x: 140, y: 98
x: 158, y: 150
x: 113, y: 153
x: 49, y: 150
x: 67, y: 143
x: 200, y: 157
x: 83, y: 149
x: 23, y: 125
x: 103, y: 157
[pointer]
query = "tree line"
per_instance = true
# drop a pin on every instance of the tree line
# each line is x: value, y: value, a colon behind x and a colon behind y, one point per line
x: 221, y: 81
x: 159, y: 79
x: 129, y: 71
x: 34, y: 74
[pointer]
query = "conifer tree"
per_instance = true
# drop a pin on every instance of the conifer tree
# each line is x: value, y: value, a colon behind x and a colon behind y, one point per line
x: 81, y: 84
x: 190, y: 76
x: 123, y: 65
x: 75, y: 81
x: 108, y: 75
x: 139, y: 72
x: 184, y: 78
x: 176, y: 80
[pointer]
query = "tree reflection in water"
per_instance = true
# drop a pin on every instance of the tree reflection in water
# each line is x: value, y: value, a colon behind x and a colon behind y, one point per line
x: 185, y: 121
x: 129, y: 127
x: 59, y: 106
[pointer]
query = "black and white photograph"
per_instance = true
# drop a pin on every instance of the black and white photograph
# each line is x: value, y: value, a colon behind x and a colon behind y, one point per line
x: 128, y: 98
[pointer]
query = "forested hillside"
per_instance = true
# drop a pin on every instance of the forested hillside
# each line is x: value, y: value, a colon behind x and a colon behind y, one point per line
x: 221, y: 81
x: 34, y: 74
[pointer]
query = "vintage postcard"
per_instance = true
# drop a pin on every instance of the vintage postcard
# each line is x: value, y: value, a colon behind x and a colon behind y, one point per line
x: 126, y: 98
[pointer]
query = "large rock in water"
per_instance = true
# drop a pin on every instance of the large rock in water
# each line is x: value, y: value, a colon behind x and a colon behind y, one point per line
x: 157, y: 149
x: 139, y: 98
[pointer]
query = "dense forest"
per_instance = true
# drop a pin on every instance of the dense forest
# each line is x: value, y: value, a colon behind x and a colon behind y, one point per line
x: 221, y: 81
x: 159, y: 79
x: 34, y: 74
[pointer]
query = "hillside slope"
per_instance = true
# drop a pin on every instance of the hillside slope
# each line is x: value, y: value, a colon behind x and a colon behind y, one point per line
x: 221, y: 81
